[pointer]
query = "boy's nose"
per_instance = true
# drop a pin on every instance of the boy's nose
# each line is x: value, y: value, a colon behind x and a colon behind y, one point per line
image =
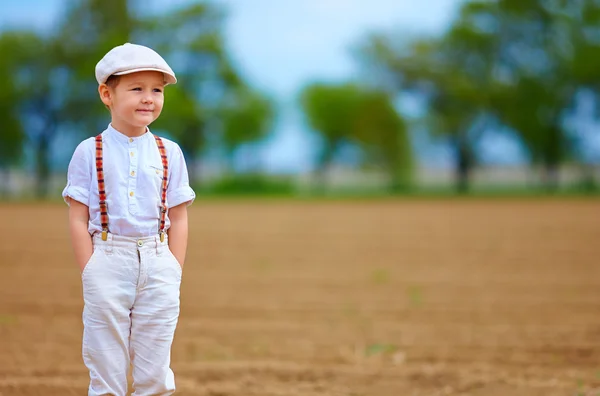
x: 147, y: 99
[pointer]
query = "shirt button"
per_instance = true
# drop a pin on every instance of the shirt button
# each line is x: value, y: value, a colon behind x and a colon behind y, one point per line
x: 140, y: 243
x: 130, y: 140
x: 157, y: 172
x: 131, y: 153
x: 132, y: 173
x: 131, y: 194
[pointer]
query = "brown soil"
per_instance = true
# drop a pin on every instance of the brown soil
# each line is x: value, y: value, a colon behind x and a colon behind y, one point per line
x: 385, y: 298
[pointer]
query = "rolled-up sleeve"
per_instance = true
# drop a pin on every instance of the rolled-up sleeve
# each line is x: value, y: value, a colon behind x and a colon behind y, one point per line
x: 179, y: 190
x: 79, y: 177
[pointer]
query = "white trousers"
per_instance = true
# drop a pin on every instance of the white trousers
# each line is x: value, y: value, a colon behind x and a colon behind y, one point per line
x: 131, y: 296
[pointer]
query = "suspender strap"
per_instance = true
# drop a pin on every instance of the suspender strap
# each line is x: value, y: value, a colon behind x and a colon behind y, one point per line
x: 101, y: 188
x: 163, y: 195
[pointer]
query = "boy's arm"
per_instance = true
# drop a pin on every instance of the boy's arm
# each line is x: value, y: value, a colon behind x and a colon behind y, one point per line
x: 178, y: 232
x: 80, y: 237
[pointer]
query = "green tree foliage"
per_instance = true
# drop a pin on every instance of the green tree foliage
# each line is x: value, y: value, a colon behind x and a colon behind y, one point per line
x: 88, y: 30
x: 532, y: 89
x: 329, y: 111
x: 37, y: 103
x: 348, y: 113
x: 12, y: 135
x: 246, y: 117
x: 191, y: 38
x: 452, y: 80
x: 505, y: 63
x: 211, y: 100
x: 54, y: 86
x: 383, y: 135
x: 54, y: 77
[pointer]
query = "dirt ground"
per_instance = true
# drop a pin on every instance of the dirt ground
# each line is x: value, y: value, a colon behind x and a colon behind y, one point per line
x: 379, y: 298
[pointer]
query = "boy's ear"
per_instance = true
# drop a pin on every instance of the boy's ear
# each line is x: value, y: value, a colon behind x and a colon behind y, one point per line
x: 105, y: 94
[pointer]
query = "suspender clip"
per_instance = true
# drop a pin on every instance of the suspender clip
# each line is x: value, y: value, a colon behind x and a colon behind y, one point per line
x: 162, y: 236
x: 104, y: 234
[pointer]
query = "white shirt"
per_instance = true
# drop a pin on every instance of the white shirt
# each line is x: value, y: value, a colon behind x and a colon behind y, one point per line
x: 133, y: 174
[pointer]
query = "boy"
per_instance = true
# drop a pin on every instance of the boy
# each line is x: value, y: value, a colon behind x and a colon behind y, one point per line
x: 130, y: 248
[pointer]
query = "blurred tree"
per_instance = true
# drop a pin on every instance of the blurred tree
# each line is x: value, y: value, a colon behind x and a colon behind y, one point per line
x: 185, y: 120
x: 583, y: 21
x: 53, y: 76
x: 383, y: 135
x: 514, y: 63
x: 12, y: 135
x: 191, y: 39
x: 329, y: 110
x: 35, y: 106
x: 59, y: 89
x: 246, y: 118
x: 530, y: 60
x: 88, y: 30
x: 211, y: 101
x: 350, y: 114
x: 451, y: 79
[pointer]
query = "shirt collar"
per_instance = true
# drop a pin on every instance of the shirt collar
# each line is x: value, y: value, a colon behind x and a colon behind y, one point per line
x: 121, y: 138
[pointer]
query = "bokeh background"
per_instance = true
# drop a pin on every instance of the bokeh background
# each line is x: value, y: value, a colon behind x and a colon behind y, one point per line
x: 394, y: 197
x: 318, y: 97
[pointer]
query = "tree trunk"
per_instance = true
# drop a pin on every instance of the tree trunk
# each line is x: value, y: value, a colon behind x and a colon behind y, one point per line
x: 552, y: 158
x: 4, y: 183
x: 323, y: 165
x: 399, y: 174
x: 190, y: 143
x: 464, y: 165
x: 551, y: 177
x: 43, y: 166
x: 191, y: 161
x: 588, y: 182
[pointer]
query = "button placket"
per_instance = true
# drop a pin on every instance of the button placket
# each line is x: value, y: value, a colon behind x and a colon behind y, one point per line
x: 132, y: 180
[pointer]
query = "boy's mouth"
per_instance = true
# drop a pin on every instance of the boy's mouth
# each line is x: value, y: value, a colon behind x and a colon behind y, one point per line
x: 145, y: 110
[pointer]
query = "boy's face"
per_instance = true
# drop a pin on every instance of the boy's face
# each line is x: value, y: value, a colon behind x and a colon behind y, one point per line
x: 135, y: 102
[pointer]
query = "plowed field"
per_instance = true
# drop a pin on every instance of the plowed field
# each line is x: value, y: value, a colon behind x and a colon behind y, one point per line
x: 379, y: 298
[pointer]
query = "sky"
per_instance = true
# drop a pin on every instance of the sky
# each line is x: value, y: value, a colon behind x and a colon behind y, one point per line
x: 279, y: 46
x: 282, y: 45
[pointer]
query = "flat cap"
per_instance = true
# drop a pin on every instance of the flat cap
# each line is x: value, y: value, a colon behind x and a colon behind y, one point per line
x: 130, y: 58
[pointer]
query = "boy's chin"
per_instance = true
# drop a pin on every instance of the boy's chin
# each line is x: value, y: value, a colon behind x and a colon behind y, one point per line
x: 144, y: 122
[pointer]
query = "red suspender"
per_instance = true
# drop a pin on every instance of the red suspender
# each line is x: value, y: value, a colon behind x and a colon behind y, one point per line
x: 163, y: 195
x: 102, y: 191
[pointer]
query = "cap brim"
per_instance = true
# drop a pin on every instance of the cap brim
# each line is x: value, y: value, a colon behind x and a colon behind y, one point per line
x: 169, y: 78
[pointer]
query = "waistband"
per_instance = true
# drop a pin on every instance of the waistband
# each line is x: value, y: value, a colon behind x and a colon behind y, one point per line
x: 120, y: 241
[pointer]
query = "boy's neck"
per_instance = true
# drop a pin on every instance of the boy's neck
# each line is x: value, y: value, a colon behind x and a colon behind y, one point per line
x: 131, y: 131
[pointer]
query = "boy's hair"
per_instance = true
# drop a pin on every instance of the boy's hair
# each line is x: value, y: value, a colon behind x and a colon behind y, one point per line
x: 113, y: 81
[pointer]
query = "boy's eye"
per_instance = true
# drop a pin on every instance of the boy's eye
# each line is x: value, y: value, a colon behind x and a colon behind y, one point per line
x: 136, y: 89
x: 157, y: 90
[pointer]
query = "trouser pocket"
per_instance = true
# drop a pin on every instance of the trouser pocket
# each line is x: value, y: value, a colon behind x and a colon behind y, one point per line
x: 89, y: 262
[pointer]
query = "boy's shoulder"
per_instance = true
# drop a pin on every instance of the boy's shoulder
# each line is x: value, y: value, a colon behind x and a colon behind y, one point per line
x: 170, y: 145
x: 86, y: 145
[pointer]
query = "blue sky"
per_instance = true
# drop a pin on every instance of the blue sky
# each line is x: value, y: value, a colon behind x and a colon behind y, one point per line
x: 281, y: 45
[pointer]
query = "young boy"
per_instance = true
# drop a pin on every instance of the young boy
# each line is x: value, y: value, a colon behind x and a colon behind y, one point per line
x: 127, y: 192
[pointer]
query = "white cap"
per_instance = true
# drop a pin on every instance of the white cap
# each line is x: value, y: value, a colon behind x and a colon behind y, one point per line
x: 131, y: 58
